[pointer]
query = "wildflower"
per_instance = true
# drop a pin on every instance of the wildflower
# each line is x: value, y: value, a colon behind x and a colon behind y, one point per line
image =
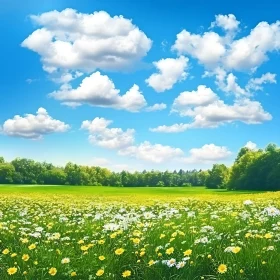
x: 180, y: 265
x: 126, y: 273
x: 171, y: 262
x: 52, y: 271
x: 241, y: 271
x: 169, y: 251
x: 25, y: 257
x: 13, y: 255
x: 65, y: 261
x: 222, y: 268
x: 236, y: 250
x: 119, y: 251
x: 24, y: 240
x: 73, y: 274
x: 32, y: 246
x: 151, y: 262
x: 84, y: 248
x: 248, y: 202
x: 12, y: 270
x: 268, y: 235
x: 101, y: 258
x: 25, y: 272
x: 6, y: 251
x: 161, y: 236
x: 188, y: 252
x: 136, y: 240
x: 99, y: 272
x: 263, y: 262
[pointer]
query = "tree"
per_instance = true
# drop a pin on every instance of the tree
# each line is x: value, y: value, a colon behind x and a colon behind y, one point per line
x: 7, y: 172
x: 218, y: 176
x: 55, y: 176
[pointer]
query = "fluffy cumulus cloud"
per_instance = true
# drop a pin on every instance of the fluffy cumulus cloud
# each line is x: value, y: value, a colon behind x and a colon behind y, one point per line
x: 251, y: 145
x: 207, y: 154
x: 245, y: 53
x: 214, y: 112
x: 156, y: 153
x: 110, y: 138
x: 156, y: 107
x: 201, y: 97
x: 227, y: 22
x: 171, y: 70
x: 33, y: 126
x: 99, y: 90
x: 71, y: 40
x: 208, y: 48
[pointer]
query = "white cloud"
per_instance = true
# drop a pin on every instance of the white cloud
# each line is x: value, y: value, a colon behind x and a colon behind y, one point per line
x: 251, y: 145
x: 227, y: 22
x: 251, y: 51
x: 226, y: 82
x: 207, y: 154
x: 256, y: 83
x: 216, y: 113
x: 171, y: 128
x: 66, y: 77
x: 33, y: 126
x: 245, y: 53
x: 99, y: 90
x: 208, y: 48
x: 109, y: 138
x: 171, y: 70
x: 71, y: 40
x: 156, y: 153
x: 156, y: 107
x: 201, y: 97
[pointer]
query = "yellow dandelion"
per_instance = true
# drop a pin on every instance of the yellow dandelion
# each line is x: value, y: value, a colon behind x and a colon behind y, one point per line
x: 12, y: 270
x: 84, y: 248
x: 52, y: 271
x: 73, y: 274
x: 6, y: 251
x: 99, y: 272
x: 222, y: 268
x: 187, y: 252
x: 169, y: 251
x: 32, y: 246
x: 25, y: 257
x: 119, y: 251
x: 101, y: 258
x: 126, y: 273
x: 236, y: 250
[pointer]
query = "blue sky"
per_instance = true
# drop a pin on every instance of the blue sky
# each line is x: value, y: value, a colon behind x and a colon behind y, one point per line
x: 138, y: 84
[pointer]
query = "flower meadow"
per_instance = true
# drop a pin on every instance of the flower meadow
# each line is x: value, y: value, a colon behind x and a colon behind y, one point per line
x: 67, y: 237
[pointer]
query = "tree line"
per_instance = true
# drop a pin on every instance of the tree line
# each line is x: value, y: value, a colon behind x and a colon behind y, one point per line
x: 27, y: 171
x: 253, y: 169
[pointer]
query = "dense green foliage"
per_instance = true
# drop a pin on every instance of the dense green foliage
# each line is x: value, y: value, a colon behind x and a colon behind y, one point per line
x: 252, y: 170
x: 26, y: 171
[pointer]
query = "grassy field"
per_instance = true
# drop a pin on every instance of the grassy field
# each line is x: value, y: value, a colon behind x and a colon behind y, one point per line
x: 58, y: 232
x: 119, y: 191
